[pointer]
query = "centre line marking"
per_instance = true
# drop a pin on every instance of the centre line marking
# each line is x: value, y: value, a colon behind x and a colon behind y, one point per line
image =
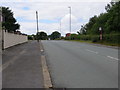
x: 112, y: 58
x: 91, y: 51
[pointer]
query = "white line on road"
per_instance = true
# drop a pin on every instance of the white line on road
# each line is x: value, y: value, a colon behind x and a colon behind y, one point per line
x: 112, y: 58
x: 91, y: 51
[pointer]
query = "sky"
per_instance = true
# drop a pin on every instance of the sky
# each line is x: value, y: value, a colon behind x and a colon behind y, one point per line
x: 52, y: 12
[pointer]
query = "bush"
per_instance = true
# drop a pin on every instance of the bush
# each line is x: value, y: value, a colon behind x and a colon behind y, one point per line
x: 84, y: 37
x: 30, y: 37
x: 112, y: 38
x: 67, y: 38
x: 95, y: 38
x: 108, y: 38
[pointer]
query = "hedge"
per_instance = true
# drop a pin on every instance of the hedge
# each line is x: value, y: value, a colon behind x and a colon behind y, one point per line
x: 110, y: 38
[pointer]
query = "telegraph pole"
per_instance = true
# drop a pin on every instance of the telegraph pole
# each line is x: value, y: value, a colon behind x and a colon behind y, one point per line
x: 2, y: 19
x: 37, y: 25
x: 70, y: 21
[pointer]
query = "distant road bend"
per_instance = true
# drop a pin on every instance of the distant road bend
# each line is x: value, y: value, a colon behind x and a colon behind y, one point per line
x: 79, y: 65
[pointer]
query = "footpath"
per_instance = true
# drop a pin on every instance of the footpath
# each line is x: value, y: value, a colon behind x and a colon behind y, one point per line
x: 22, y: 66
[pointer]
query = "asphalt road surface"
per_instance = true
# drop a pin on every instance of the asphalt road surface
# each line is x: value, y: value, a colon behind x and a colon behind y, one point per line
x: 80, y: 65
x: 22, y: 66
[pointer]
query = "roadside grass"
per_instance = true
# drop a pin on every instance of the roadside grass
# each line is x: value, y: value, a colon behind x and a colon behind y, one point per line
x: 102, y: 43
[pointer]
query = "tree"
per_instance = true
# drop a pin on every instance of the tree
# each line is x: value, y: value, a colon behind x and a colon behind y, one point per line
x: 90, y: 24
x: 55, y: 35
x: 9, y: 22
x: 73, y: 36
x: 42, y: 36
x: 109, y: 21
x: 82, y: 30
x: 113, y: 23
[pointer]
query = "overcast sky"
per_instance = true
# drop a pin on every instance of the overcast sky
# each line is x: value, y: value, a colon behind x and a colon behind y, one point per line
x: 51, y: 12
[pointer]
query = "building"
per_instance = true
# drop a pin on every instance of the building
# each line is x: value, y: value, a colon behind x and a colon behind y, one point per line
x: 68, y: 34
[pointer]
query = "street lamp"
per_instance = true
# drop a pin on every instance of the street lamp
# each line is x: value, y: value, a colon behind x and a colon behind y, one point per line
x: 100, y: 29
x: 37, y: 25
x: 70, y: 20
x: 60, y: 29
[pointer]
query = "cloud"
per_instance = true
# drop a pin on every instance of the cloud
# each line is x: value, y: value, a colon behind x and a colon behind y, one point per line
x: 65, y: 24
x: 55, y: 0
x: 31, y: 27
x: 52, y: 11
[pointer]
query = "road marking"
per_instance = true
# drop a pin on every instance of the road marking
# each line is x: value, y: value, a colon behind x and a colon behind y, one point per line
x: 91, y: 51
x: 4, y: 66
x: 112, y: 58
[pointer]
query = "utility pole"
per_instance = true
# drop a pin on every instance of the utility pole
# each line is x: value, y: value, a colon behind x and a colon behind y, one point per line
x: 70, y: 20
x: 2, y: 18
x: 37, y: 25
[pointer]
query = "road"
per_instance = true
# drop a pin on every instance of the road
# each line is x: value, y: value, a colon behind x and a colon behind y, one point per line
x: 80, y: 65
x: 22, y: 66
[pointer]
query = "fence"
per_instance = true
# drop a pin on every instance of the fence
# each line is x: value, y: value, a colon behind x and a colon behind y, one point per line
x: 11, y: 39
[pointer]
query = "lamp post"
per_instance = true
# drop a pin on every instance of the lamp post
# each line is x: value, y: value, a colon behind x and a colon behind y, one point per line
x: 37, y: 25
x: 60, y: 29
x: 100, y: 29
x: 70, y: 20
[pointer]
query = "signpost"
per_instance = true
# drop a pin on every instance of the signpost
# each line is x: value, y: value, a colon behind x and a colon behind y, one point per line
x: 101, y: 36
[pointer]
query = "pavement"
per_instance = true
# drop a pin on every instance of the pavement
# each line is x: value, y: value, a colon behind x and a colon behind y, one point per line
x: 80, y: 65
x: 22, y: 66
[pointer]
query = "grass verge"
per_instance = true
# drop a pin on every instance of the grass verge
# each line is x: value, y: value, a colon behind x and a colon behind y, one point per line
x: 102, y: 43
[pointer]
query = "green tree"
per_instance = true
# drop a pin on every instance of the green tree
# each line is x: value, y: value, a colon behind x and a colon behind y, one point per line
x: 109, y: 21
x: 82, y: 30
x: 113, y: 23
x: 42, y: 36
x: 55, y: 35
x: 9, y: 22
x: 90, y: 24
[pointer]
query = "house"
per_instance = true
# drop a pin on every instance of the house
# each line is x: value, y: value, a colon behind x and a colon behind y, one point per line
x: 68, y: 34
